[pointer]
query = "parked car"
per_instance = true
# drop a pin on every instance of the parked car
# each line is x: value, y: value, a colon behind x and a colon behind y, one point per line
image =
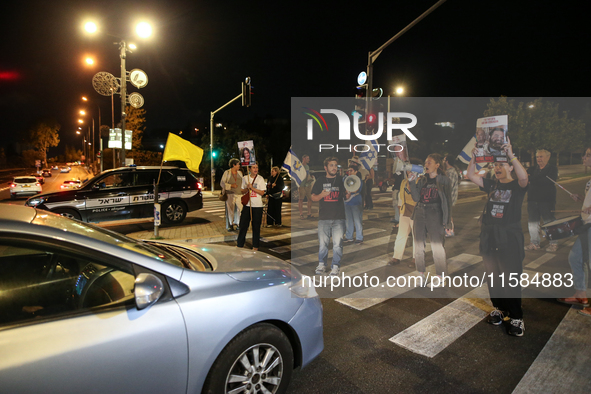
x: 46, y: 172
x: 84, y: 308
x: 39, y: 178
x: 127, y: 193
x: 24, y: 186
x: 71, y: 184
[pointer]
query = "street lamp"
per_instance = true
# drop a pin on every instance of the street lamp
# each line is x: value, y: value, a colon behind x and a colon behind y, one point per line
x: 93, y: 139
x: 143, y: 30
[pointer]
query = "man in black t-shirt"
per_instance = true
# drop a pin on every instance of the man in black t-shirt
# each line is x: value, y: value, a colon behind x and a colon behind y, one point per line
x: 541, y: 198
x: 329, y: 190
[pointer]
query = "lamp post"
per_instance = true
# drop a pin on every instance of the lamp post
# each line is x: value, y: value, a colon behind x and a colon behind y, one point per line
x: 93, y: 135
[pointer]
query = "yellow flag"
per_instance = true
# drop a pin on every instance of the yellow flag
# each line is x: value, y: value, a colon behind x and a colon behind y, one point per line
x: 180, y: 149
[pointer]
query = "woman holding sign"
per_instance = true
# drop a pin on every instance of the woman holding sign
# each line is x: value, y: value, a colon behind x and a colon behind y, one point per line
x: 254, y: 186
x: 501, y: 237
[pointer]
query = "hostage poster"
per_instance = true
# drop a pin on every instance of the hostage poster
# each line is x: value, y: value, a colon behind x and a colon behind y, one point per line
x: 490, y: 136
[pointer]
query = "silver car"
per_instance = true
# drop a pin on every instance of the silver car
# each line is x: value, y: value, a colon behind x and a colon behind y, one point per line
x: 84, y: 309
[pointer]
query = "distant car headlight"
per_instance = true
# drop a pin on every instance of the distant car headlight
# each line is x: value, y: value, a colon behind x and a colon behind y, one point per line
x: 33, y: 202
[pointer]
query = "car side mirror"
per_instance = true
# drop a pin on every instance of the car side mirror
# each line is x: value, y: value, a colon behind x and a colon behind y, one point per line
x: 148, y: 289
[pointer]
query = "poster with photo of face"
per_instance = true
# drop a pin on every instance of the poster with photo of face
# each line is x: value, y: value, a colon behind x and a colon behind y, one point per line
x: 246, y: 150
x: 491, y: 135
x: 401, y: 148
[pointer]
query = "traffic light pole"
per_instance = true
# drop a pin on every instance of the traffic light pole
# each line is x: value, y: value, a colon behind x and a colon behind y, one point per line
x: 372, y: 56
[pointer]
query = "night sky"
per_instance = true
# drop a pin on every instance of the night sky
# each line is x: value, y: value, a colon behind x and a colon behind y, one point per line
x: 201, y: 52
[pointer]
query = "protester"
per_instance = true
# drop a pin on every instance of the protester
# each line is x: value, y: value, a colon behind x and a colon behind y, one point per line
x: 580, y: 253
x: 329, y: 190
x: 452, y: 173
x: 275, y: 195
x: 368, y: 186
x: 541, y: 198
x: 432, y: 214
x: 395, y: 193
x: 354, y: 208
x: 254, y: 185
x: 405, y: 225
x: 501, y: 237
x: 305, y: 189
x: 231, y: 184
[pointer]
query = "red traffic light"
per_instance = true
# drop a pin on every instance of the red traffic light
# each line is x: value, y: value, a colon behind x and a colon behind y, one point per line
x: 371, y: 118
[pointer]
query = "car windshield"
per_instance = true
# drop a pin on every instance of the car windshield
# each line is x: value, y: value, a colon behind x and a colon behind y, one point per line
x: 47, y: 219
x: 25, y: 180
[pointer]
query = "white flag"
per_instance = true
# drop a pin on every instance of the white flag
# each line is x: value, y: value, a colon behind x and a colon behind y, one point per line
x: 296, y: 169
x: 369, y: 158
x: 466, y: 154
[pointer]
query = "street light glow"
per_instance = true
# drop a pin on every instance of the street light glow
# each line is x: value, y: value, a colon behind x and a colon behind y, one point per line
x: 143, y: 30
x: 89, y: 61
x: 84, y: 99
x: 132, y: 46
x: 399, y: 90
x: 82, y: 112
x: 90, y: 27
x: 80, y: 121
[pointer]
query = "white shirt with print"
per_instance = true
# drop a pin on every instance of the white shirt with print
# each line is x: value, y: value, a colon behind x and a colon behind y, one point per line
x: 256, y: 200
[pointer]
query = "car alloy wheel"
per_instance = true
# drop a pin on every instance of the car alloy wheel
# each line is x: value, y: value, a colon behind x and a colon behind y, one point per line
x: 174, y: 212
x: 258, y: 360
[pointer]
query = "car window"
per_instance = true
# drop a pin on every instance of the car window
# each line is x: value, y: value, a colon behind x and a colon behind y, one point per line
x: 38, y: 282
x: 147, y: 178
x: 116, y: 180
x: 25, y: 180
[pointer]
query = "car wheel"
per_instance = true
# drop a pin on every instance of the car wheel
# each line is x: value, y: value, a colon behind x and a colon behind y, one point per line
x: 69, y: 213
x: 258, y: 360
x: 174, y: 212
x: 12, y: 196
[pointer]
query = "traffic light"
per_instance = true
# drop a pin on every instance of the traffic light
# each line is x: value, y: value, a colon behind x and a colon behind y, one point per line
x: 214, y: 154
x: 246, y: 92
x: 360, y: 103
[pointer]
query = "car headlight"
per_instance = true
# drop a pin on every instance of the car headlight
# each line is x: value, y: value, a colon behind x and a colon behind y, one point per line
x: 303, y: 286
x: 33, y: 202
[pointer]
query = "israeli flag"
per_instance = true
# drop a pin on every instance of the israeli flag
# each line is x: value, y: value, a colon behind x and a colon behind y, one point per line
x: 294, y: 166
x: 466, y: 154
x: 370, y: 157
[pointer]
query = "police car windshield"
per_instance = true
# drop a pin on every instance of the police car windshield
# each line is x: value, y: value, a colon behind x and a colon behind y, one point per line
x: 88, y: 230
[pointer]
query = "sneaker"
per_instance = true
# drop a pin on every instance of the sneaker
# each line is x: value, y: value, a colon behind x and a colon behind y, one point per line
x: 357, y: 242
x: 552, y: 248
x: 449, y: 233
x: 532, y: 247
x: 393, y: 262
x: 496, y: 318
x: 320, y: 269
x: 347, y: 241
x: 335, y: 270
x: 517, y: 328
x: 438, y: 283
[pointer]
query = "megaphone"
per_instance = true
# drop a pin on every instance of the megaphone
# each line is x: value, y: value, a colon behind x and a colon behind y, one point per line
x: 400, y: 166
x: 352, y: 183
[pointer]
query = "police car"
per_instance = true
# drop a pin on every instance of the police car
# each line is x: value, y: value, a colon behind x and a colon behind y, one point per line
x: 127, y: 193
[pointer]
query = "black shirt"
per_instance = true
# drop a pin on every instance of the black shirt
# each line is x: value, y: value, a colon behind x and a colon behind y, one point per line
x: 504, y: 202
x: 542, y: 189
x: 332, y: 206
x: 429, y: 192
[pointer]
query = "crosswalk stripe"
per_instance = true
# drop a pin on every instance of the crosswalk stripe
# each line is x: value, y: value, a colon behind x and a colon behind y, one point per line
x: 314, y: 242
x: 440, y: 329
x: 369, y: 297
x: 437, y: 331
x: 313, y: 257
x: 563, y: 363
x: 289, y: 235
x: 540, y: 260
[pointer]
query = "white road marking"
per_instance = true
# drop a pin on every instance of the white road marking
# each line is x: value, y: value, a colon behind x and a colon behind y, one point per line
x: 314, y: 242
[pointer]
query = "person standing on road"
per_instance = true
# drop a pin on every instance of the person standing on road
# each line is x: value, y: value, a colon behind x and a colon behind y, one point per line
x: 255, y: 185
x: 329, y: 190
x: 231, y: 184
x: 432, y: 214
x: 275, y: 196
x: 354, y: 208
x: 501, y: 237
x: 452, y: 173
x: 541, y: 198
x: 368, y: 186
x: 405, y: 225
x: 305, y: 188
x: 580, y: 253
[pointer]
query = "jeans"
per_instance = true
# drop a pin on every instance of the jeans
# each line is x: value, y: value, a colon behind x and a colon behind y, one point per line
x: 428, y: 218
x: 577, y: 265
x: 368, y: 199
x: 535, y: 212
x: 326, y: 229
x: 354, y: 221
x: 395, y: 205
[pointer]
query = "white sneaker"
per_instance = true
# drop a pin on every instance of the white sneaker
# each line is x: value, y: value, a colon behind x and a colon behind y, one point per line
x: 320, y: 269
x: 335, y: 270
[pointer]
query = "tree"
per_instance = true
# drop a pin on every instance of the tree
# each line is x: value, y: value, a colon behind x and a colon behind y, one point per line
x: 44, y: 136
x: 136, y: 122
x: 30, y: 156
